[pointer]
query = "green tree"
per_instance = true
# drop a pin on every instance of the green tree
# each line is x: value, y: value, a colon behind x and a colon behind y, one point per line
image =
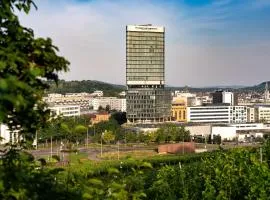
x: 120, y: 117
x: 73, y: 130
x: 25, y: 62
x: 171, y: 132
x: 108, y: 137
x: 108, y: 108
x: 217, y: 139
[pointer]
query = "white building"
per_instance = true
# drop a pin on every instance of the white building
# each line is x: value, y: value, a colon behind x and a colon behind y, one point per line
x: 217, y: 114
x: 203, y: 130
x: 251, y: 114
x: 123, y: 93
x: 82, y: 99
x: 240, y: 131
x: 262, y: 113
x: 113, y: 102
x: 228, y: 97
x: 66, y: 110
x: 259, y: 113
x: 97, y: 93
x: 6, y: 136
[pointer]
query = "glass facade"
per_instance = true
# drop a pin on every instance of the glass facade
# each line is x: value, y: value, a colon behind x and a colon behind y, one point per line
x: 145, y: 57
x: 147, y: 100
x: 148, y: 104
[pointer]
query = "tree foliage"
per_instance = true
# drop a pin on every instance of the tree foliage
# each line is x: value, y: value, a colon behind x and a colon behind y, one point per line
x: 25, y: 62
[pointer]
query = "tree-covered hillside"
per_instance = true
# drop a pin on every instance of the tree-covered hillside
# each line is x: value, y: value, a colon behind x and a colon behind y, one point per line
x: 85, y: 86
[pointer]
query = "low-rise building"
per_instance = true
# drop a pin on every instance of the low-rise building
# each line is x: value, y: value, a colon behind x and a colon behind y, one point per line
x: 217, y: 114
x: 233, y: 131
x: 259, y: 113
x: 65, y: 110
x: 99, y: 117
x: 113, y: 102
x: 81, y: 99
x: 6, y: 136
x: 262, y: 114
x: 179, y: 110
x: 97, y: 93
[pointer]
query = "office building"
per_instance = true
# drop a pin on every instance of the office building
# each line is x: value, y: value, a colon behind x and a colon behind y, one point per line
x: 147, y: 98
x: 224, y: 97
x: 217, y: 114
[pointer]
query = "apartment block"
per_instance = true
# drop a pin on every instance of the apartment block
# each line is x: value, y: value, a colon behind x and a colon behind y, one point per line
x: 217, y: 114
x: 113, y: 102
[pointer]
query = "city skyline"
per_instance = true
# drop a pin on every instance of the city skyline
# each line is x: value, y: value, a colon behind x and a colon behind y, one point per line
x: 208, y: 42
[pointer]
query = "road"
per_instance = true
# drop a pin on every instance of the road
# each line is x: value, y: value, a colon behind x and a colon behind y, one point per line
x: 93, y: 152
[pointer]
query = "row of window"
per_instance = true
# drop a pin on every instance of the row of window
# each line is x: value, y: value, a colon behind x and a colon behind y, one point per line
x: 70, y: 108
x: 71, y: 112
x: 147, y: 34
x: 210, y: 108
x: 143, y: 78
x: 145, y: 74
x: 146, y: 58
x: 145, y: 63
x: 148, y: 50
x: 220, y: 115
x: 144, y: 46
x: 148, y: 54
x: 145, y: 70
x: 145, y: 42
x: 157, y: 37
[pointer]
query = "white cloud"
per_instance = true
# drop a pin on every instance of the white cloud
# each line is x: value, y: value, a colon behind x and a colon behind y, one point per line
x: 92, y: 37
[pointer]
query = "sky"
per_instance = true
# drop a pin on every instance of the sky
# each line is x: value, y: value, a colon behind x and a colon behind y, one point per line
x: 208, y: 42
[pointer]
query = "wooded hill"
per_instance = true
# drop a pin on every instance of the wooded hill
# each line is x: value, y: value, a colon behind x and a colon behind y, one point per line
x: 113, y: 89
x: 88, y: 86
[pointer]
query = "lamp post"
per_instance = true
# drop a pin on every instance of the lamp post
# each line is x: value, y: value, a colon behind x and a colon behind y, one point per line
x: 51, y: 147
x: 36, y: 140
x: 87, y: 137
x: 101, y: 150
x: 118, y: 149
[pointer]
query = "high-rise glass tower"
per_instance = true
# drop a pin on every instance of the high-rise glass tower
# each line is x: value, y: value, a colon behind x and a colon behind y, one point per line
x: 147, y: 98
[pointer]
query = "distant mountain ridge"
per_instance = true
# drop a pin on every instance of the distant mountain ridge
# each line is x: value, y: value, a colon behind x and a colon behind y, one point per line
x: 110, y: 89
x: 258, y: 88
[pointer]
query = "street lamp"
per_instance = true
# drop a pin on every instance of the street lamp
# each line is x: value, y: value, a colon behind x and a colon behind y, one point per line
x: 102, y: 134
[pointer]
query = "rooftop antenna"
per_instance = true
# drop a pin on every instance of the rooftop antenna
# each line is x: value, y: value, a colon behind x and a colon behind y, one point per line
x: 145, y: 25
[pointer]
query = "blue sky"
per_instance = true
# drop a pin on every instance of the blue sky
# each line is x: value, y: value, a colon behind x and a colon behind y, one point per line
x: 219, y: 42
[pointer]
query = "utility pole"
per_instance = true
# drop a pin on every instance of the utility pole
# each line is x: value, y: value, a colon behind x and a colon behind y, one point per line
x: 51, y: 147
x: 36, y: 141
x: 87, y: 137
x: 101, y: 145
x: 261, y: 156
x: 118, y: 149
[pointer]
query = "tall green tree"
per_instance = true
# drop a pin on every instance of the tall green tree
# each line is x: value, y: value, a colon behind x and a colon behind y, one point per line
x: 25, y: 63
